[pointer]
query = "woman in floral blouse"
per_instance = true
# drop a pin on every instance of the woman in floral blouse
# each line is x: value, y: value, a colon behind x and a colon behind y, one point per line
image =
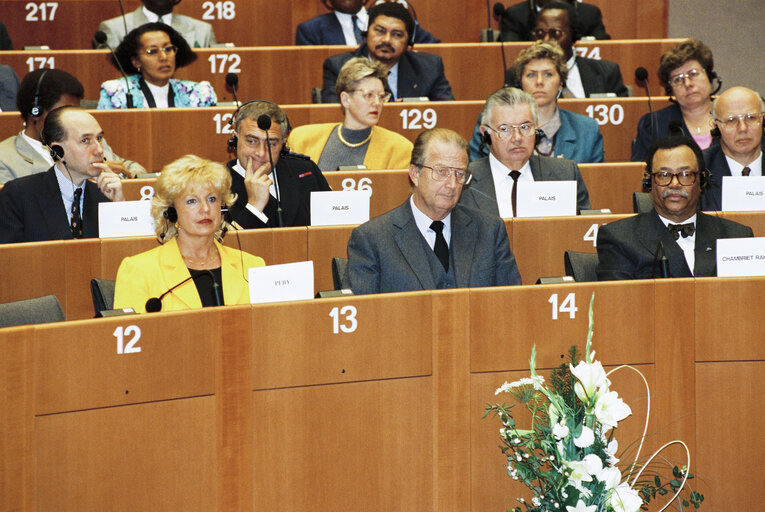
x: 150, y: 54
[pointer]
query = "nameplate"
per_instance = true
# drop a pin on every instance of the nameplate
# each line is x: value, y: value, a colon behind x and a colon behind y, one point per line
x: 339, y: 207
x: 125, y: 218
x: 743, y: 193
x: 546, y: 198
x: 740, y: 257
x: 281, y: 283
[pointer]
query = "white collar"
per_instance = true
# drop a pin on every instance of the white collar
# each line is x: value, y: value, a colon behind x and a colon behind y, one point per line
x: 167, y: 19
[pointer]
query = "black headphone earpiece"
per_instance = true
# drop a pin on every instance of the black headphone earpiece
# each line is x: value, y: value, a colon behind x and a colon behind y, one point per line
x: 539, y: 135
x: 232, y: 142
x: 486, y: 138
x: 705, y: 180
x: 171, y: 214
x: 646, y: 183
x: 36, y: 108
x: 56, y: 152
x: 715, y: 132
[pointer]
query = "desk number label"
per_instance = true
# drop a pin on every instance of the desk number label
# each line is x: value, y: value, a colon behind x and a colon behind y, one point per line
x: 414, y: 119
x: 226, y: 63
x: 44, y: 11
x: 349, y: 185
x: 221, y: 123
x: 592, y: 235
x: 593, y: 53
x: 40, y: 62
x: 344, y: 319
x: 219, y: 10
x: 567, y: 306
x: 147, y: 192
x: 121, y: 333
x: 604, y: 114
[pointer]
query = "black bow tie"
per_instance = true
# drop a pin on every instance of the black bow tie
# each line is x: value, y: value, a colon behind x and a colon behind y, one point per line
x: 682, y: 229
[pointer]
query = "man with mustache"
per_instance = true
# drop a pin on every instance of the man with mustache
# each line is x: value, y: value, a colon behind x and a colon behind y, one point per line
x: 411, y: 74
x: 627, y: 248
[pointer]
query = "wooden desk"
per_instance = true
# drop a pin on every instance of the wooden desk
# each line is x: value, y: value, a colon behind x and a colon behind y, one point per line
x: 300, y: 68
x: 72, y: 23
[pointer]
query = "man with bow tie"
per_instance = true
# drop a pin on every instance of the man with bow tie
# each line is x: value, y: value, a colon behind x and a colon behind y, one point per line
x: 630, y: 248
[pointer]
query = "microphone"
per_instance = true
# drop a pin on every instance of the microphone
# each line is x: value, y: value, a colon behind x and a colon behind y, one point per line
x: 100, y: 38
x: 264, y: 123
x: 154, y: 304
x: 641, y: 76
x: 499, y: 11
x: 487, y: 34
x: 124, y: 20
x: 663, y: 262
x: 675, y: 127
x: 232, y: 80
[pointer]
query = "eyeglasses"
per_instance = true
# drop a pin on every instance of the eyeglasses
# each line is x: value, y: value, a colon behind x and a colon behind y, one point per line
x: 692, y: 76
x: 463, y: 176
x: 506, y: 130
x: 540, y: 33
x: 370, y: 96
x: 664, y: 178
x: 167, y: 50
x: 752, y: 119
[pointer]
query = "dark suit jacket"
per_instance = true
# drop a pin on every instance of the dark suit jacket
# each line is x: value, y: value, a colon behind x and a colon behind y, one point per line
x: 711, y: 200
x: 598, y: 76
x: 661, y: 119
x: 626, y: 247
x: 387, y: 253
x: 326, y: 29
x: 518, y: 20
x: 298, y: 176
x: 481, y: 194
x: 5, y: 40
x: 31, y: 210
x: 419, y: 74
x: 9, y: 86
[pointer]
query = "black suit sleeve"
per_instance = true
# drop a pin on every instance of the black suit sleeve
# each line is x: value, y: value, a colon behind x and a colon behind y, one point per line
x: 614, y: 81
x: 515, y: 24
x: 11, y: 214
x: 613, y: 261
x: 442, y: 89
x: 591, y: 22
x: 331, y: 70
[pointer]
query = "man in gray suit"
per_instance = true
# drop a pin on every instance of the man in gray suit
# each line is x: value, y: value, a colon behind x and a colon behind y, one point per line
x: 430, y: 241
x: 42, y: 91
x: 508, y: 127
x: 631, y: 248
x: 199, y: 34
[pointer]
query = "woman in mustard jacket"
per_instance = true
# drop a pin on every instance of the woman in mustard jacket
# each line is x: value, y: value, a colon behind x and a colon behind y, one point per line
x: 190, y: 264
x: 357, y: 140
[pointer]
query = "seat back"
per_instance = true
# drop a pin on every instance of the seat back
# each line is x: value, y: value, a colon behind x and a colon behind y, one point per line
x: 339, y: 269
x: 581, y: 265
x: 40, y: 310
x: 102, y: 291
x: 642, y: 202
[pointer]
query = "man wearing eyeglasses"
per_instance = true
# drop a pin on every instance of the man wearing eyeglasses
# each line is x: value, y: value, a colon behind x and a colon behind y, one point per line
x: 387, y: 40
x: 556, y: 22
x: 431, y: 241
x: 508, y: 129
x: 631, y: 248
x: 738, y: 115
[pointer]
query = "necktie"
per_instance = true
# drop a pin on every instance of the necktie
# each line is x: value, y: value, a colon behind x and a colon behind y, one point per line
x: 685, y: 229
x: 745, y: 171
x: 356, y: 29
x: 440, y: 247
x: 514, y: 194
x: 76, y: 217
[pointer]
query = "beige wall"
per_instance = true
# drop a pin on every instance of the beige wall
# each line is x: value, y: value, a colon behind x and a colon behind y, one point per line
x: 733, y: 29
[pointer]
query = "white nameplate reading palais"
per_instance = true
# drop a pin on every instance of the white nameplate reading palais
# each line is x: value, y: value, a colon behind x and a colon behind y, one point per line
x: 546, y: 198
x: 281, y: 283
x: 339, y: 207
x: 743, y: 193
x: 740, y: 257
x: 125, y: 218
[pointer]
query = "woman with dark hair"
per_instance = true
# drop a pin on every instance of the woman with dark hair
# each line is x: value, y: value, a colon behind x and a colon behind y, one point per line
x: 686, y: 70
x: 150, y: 54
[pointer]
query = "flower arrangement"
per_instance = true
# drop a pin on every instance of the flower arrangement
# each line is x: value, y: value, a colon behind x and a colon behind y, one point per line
x: 568, y: 456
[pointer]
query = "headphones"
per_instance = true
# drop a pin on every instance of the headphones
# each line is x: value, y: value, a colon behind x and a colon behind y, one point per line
x: 56, y: 152
x: 171, y: 214
x: 36, y: 108
x: 705, y: 180
x: 538, y: 136
x: 234, y: 140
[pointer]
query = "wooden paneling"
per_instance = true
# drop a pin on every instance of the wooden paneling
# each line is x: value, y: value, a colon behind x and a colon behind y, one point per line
x: 263, y: 22
x: 325, y: 243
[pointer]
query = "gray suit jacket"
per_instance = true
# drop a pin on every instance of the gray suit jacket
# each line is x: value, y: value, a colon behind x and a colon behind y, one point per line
x: 627, y: 247
x: 197, y: 33
x: 387, y: 254
x: 9, y: 86
x: 482, y: 195
x: 18, y: 158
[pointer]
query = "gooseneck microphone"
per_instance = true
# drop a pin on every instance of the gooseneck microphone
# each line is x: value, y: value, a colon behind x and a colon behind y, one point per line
x: 124, y: 20
x: 100, y: 38
x: 641, y: 75
x: 232, y: 80
x: 154, y: 304
x: 264, y: 123
x: 499, y: 10
x: 660, y: 258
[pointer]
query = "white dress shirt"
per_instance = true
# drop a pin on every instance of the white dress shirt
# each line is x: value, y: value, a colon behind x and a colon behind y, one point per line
x: 503, y: 184
x: 423, y: 224
x: 687, y: 244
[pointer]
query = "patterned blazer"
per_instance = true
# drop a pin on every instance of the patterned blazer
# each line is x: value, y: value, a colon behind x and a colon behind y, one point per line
x: 187, y: 93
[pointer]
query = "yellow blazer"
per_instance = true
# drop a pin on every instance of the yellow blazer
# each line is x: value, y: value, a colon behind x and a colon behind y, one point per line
x: 152, y: 273
x: 387, y: 149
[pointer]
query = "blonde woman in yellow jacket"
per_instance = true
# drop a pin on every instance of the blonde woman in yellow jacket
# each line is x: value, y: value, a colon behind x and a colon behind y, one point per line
x: 186, y: 207
x: 357, y: 140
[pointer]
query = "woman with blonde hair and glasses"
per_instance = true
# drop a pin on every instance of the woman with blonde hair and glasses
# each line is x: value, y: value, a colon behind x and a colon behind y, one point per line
x: 357, y: 140
x: 189, y: 196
